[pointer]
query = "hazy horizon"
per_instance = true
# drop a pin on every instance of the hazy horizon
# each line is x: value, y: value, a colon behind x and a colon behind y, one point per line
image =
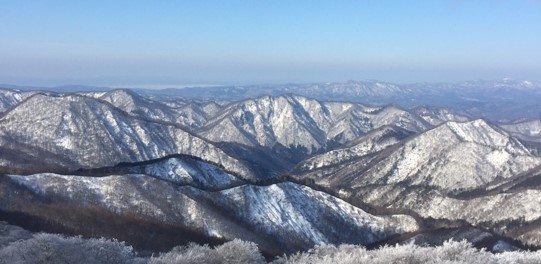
x: 255, y: 42
x: 25, y: 86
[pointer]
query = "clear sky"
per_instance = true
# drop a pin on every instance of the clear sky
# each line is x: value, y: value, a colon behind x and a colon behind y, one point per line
x: 118, y: 43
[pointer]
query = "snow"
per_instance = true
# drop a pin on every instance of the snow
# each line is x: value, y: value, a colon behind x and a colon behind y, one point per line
x: 286, y: 211
x: 498, y: 158
x: 301, y: 122
x: 469, y: 157
x: 421, y: 173
x: 373, y: 142
x: 478, y: 131
x: 487, y: 210
x: 529, y: 130
x: 188, y: 171
x: 101, y: 135
x: 297, y: 210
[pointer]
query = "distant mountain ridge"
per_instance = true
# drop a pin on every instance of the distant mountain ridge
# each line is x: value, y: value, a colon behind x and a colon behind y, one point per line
x: 500, y: 100
x: 497, y: 100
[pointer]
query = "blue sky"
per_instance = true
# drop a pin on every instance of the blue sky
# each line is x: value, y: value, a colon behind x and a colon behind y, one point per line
x: 153, y: 43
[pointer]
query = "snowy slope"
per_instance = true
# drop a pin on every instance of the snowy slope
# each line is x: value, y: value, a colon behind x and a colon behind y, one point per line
x: 430, y: 202
x: 137, y: 105
x: 372, y: 142
x: 185, y: 170
x: 303, y: 215
x: 383, y: 159
x: 299, y: 122
x: 265, y: 121
x: 141, y: 198
x: 195, y: 114
x: 471, y: 171
x: 361, y: 119
x: 190, y: 115
x: 282, y: 217
x: 9, y: 98
x: 453, y: 156
x: 85, y: 132
x: 438, y: 116
x: 513, y: 213
x: 528, y: 130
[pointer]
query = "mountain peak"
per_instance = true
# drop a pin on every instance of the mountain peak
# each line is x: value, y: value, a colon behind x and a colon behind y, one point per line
x: 451, y: 156
x: 294, y: 121
x: 83, y: 132
x: 478, y: 131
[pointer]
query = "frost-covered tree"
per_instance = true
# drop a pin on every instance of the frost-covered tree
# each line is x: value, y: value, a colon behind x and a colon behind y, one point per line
x: 50, y: 248
x: 11, y: 233
x: 451, y: 252
x: 18, y: 246
x: 234, y: 252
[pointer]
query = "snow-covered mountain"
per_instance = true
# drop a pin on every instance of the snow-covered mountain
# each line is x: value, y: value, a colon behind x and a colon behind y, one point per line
x: 178, y: 169
x: 527, y: 130
x: 306, y: 216
x: 190, y: 115
x: 453, y: 156
x: 438, y: 116
x: 284, y: 171
x: 9, y: 98
x: 282, y: 217
x: 350, y: 90
x: 301, y: 123
x: 370, y: 143
x: 512, y: 211
x: 471, y: 171
x: 196, y: 114
x: 137, y: 105
x: 499, y: 100
x: 72, y: 131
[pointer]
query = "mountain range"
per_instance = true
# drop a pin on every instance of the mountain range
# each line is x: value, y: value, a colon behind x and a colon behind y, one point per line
x: 497, y: 100
x: 283, y: 170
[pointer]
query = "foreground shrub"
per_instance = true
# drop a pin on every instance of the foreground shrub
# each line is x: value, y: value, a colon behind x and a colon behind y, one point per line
x: 18, y: 246
x: 50, y: 248
x: 236, y: 251
x: 450, y: 252
x: 11, y: 233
